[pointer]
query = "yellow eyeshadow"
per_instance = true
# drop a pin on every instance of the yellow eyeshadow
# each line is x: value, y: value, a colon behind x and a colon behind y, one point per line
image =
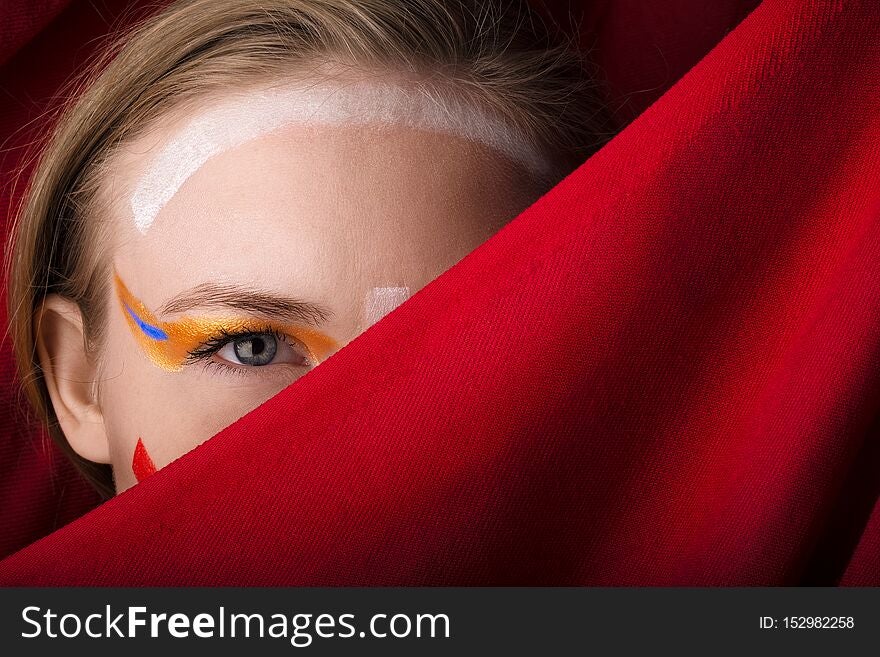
x: 168, y: 344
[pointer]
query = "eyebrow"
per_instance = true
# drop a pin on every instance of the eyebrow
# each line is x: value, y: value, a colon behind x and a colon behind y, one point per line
x: 249, y: 300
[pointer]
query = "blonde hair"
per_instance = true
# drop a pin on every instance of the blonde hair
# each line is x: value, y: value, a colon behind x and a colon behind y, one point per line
x: 500, y: 55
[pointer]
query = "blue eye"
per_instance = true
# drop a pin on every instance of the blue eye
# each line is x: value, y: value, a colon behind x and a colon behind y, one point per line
x: 254, y: 349
x: 259, y: 349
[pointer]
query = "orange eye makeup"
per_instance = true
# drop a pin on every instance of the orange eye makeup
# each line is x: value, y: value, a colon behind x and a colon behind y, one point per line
x: 169, y: 344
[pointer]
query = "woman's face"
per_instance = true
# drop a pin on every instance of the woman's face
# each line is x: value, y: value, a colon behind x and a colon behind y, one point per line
x: 270, y: 257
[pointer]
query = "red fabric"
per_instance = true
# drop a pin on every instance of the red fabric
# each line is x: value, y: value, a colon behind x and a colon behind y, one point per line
x: 641, y: 47
x: 664, y: 372
x: 21, y: 21
x: 39, y: 490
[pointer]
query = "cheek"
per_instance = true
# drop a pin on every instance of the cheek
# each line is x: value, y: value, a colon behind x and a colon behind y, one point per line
x: 170, y: 412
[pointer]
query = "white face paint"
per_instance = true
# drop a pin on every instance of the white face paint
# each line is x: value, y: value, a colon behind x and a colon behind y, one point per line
x: 247, y: 117
x: 380, y: 301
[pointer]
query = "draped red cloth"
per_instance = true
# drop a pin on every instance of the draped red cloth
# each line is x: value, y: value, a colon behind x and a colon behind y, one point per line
x: 665, y: 372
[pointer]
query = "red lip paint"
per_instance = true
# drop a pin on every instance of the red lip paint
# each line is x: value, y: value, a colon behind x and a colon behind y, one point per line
x: 142, y: 465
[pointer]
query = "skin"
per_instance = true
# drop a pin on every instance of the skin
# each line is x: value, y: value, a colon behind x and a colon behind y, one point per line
x: 321, y: 214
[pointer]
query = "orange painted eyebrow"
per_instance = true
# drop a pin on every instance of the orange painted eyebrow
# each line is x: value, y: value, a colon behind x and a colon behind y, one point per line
x: 246, y: 299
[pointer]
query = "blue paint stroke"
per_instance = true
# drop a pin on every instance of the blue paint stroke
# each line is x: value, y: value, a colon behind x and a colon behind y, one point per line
x: 149, y: 330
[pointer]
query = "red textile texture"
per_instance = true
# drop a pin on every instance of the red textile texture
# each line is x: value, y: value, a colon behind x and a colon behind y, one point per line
x: 642, y: 47
x: 665, y: 372
x: 22, y: 20
x: 39, y: 490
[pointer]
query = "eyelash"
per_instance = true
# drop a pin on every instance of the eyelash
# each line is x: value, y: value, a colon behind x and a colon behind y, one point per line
x: 205, y: 353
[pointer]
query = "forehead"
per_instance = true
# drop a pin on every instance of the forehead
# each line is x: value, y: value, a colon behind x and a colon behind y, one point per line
x: 242, y: 117
x: 299, y: 203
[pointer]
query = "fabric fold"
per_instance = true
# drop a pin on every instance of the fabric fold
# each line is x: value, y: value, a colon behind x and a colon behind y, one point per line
x: 661, y: 373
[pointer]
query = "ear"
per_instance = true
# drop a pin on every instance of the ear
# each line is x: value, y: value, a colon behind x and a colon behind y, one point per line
x: 71, y: 377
